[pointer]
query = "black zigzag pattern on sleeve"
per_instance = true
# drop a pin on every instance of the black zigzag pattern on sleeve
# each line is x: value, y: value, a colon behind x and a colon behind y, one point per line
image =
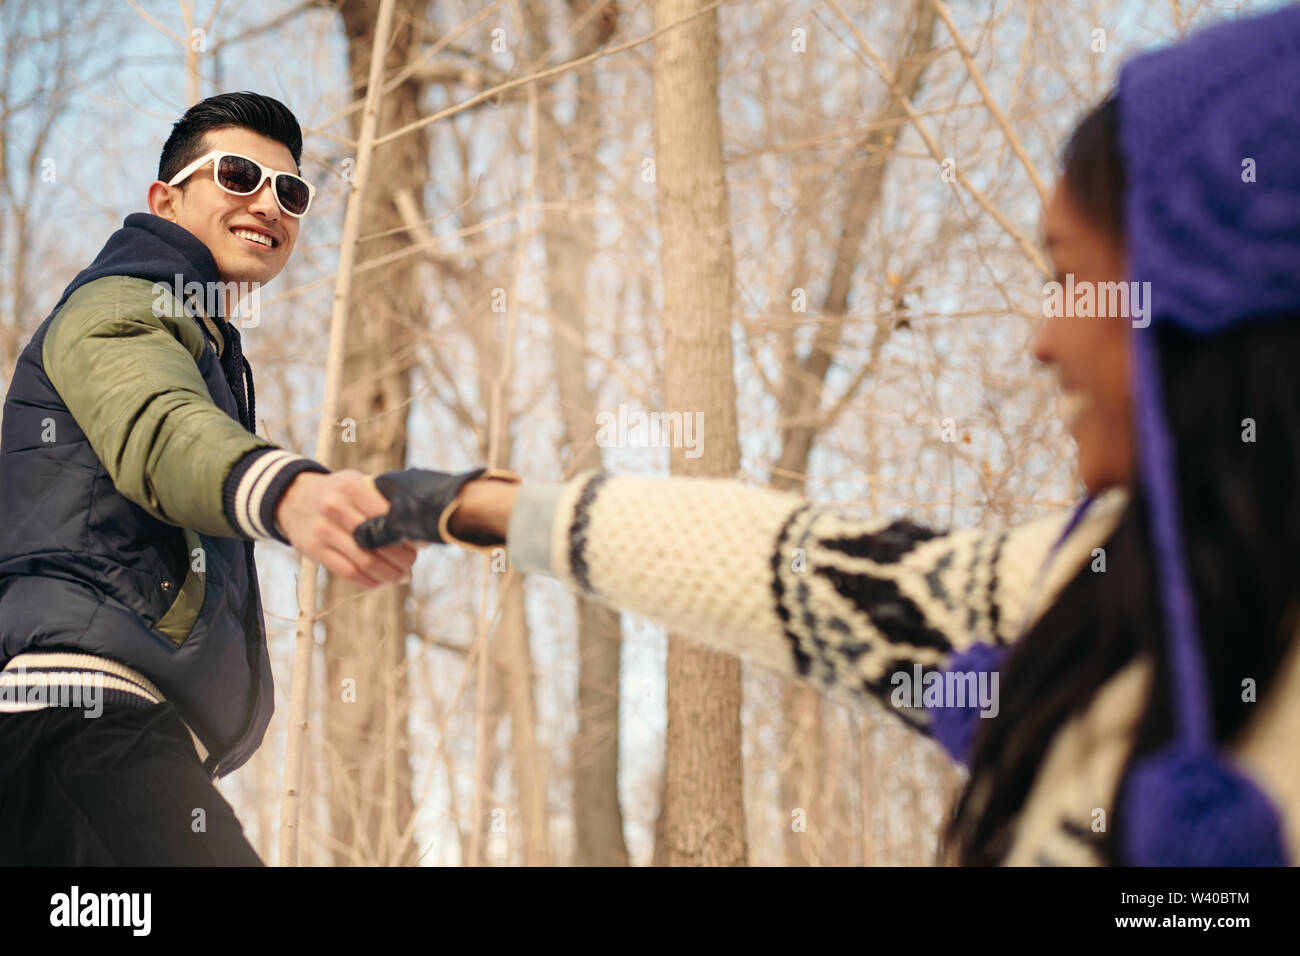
x: 991, y: 601
x: 825, y: 645
x: 895, y: 615
x: 802, y: 662
x: 883, y: 688
x: 578, y: 530
x: 886, y: 545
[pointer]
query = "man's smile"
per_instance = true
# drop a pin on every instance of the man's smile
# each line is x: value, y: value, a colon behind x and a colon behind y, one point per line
x: 260, y: 238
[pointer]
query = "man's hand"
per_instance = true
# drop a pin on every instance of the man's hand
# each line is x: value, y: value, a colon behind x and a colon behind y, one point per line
x: 318, y: 514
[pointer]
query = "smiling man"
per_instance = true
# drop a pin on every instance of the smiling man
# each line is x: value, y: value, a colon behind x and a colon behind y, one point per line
x: 133, y: 486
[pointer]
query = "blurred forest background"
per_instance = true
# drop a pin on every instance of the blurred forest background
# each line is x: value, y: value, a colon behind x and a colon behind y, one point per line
x: 567, y: 199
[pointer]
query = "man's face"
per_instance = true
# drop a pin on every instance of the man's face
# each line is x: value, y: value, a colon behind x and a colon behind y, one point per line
x: 222, y: 221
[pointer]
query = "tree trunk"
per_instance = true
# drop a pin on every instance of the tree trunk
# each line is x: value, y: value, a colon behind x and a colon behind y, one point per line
x: 509, y: 651
x: 569, y: 236
x: 366, y: 720
x: 866, y: 786
x: 487, y: 806
x: 514, y: 663
x: 702, y: 820
x: 801, y: 783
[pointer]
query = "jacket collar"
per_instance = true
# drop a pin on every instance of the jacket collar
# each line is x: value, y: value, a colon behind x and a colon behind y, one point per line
x: 149, y: 247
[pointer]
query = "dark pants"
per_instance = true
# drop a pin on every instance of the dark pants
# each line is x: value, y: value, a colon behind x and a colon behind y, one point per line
x: 122, y: 789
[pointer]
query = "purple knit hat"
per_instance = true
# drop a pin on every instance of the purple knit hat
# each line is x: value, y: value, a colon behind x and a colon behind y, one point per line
x: 1210, y: 141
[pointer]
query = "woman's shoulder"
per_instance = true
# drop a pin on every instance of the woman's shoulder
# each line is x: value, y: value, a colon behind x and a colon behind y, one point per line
x: 1063, y: 543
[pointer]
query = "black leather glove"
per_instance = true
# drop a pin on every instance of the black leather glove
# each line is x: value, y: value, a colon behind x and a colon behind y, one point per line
x: 421, y: 504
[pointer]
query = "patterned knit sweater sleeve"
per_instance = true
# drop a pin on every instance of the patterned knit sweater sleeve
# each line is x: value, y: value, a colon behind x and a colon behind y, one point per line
x: 818, y: 591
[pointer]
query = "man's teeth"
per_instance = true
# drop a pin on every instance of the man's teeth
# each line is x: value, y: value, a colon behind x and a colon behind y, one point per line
x: 1073, y: 405
x: 254, y: 236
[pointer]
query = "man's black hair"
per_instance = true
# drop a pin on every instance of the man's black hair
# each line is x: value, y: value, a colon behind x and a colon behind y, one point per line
x: 261, y: 114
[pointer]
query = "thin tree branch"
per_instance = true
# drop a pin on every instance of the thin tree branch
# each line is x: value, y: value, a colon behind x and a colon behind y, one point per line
x: 1026, y: 246
x: 995, y: 111
x: 543, y: 75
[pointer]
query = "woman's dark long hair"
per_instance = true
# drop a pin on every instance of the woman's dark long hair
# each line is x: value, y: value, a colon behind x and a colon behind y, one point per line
x: 1241, y: 529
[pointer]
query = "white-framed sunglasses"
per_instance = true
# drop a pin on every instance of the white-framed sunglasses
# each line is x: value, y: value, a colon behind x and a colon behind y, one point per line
x: 242, y: 176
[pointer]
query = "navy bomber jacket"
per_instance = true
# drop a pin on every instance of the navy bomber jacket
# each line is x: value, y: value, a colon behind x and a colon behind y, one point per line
x: 133, y: 485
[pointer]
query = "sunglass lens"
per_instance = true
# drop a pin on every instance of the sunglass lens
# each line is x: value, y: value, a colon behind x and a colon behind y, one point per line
x: 293, y: 193
x: 238, y: 174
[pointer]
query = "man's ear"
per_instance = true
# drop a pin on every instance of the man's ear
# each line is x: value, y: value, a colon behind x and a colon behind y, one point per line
x: 162, y: 200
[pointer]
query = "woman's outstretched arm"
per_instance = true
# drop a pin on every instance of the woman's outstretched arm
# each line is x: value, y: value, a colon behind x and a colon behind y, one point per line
x: 812, y: 590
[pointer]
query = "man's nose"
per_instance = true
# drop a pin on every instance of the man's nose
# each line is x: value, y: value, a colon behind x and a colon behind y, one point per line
x: 264, y: 202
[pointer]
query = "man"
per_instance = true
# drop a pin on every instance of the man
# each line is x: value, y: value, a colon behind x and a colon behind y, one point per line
x: 132, y: 489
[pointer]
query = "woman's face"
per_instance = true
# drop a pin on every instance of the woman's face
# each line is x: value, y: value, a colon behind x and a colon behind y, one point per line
x: 1090, y: 354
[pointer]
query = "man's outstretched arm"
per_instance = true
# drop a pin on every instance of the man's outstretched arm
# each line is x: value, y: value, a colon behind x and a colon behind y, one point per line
x: 130, y: 380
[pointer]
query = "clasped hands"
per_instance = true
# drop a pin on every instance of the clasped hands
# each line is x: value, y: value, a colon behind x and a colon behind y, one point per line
x: 362, y: 529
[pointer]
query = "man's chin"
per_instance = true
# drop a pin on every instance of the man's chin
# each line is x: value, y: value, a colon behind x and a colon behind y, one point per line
x: 248, y: 274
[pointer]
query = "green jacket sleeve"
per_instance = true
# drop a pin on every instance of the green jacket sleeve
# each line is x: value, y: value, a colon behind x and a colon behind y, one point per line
x: 129, y: 376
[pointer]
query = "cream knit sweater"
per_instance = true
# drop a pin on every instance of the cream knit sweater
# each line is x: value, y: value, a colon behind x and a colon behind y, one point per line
x: 849, y: 602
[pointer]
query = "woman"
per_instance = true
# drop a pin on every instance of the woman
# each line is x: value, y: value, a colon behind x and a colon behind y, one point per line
x: 1142, y: 647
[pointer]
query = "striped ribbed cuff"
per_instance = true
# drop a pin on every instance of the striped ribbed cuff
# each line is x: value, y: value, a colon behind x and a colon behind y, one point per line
x: 254, y: 487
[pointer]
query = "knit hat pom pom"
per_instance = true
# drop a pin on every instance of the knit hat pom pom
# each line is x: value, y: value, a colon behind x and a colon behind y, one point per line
x: 1189, y: 809
x: 955, y: 727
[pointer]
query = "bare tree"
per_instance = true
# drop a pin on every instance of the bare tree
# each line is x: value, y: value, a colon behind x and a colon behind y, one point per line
x: 366, y: 681
x: 702, y: 821
x: 569, y: 236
